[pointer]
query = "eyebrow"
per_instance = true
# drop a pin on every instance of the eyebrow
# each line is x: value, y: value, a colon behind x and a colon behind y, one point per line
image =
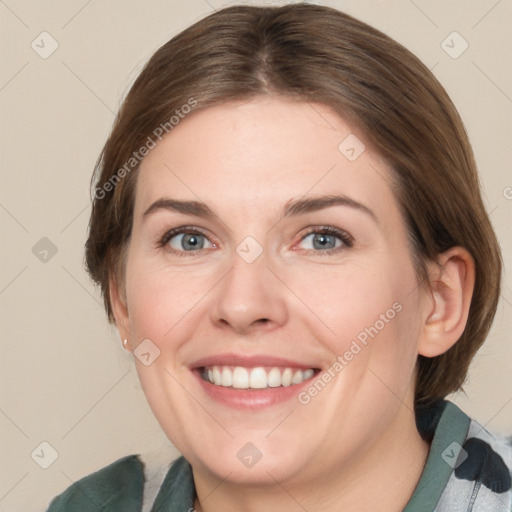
x: 188, y: 207
x: 313, y: 204
x: 291, y: 209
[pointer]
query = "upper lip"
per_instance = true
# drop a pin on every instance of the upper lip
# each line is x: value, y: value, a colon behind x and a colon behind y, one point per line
x: 247, y: 361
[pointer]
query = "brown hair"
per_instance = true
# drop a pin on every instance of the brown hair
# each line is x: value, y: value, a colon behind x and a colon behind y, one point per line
x: 316, y: 54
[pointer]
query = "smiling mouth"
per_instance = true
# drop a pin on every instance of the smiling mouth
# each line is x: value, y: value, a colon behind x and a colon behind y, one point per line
x: 259, y: 377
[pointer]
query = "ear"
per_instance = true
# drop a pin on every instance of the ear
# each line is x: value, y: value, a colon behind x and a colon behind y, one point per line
x: 452, y: 279
x: 119, y: 309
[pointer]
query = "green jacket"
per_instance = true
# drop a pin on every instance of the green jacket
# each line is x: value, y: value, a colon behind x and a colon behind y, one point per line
x: 468, y: 469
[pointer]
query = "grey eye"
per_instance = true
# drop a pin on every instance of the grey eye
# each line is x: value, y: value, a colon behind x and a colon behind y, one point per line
x: 321, y: 241
x: 189, y: 242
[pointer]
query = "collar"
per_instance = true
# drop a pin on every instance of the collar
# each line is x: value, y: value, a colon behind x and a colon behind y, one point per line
x: 443, y: 423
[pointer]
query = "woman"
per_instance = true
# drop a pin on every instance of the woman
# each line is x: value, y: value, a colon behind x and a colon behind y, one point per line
x: 302, y: 271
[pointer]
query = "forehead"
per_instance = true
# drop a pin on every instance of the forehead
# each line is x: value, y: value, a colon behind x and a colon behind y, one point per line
x: 260, y: 153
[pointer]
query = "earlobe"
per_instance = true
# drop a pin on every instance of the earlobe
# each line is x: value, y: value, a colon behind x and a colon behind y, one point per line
x: 452, y: 280
x: 120, y: 310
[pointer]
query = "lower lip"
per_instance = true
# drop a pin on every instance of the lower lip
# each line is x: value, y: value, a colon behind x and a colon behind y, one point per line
x: 251, y: 398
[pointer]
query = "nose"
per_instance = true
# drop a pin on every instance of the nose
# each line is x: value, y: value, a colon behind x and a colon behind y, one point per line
x: 249, y: 299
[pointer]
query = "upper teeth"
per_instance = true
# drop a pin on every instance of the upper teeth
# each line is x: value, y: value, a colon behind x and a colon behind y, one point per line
x: 255, y: 378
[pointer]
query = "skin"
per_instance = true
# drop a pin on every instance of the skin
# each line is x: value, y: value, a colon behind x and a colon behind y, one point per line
x: 347, y: 448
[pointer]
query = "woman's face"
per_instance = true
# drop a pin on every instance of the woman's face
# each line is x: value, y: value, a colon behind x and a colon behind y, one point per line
x: 268, y: 251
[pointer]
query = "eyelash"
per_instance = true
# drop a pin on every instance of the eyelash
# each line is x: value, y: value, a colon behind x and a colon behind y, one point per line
x: 168, y: 235
x: 346, y: 238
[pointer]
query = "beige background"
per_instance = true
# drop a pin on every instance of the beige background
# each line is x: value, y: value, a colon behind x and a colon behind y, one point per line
x: 64, y: 376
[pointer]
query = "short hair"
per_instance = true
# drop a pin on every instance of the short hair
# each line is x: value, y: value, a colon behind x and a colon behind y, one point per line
x: 320, y: 55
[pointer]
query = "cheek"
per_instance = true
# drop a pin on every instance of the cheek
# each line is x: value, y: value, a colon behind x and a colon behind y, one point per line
x: 366, y: 314
x: 349, y: 300
x: 161, y: 299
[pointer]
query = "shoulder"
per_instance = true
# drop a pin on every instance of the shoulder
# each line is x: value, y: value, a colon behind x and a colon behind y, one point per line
x: 487, y: 459
x: 482, y: 473
x: 132, y: 484
x: 118, y: 486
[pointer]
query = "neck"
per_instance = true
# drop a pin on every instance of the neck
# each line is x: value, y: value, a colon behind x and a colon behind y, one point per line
x: 385, y: 474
